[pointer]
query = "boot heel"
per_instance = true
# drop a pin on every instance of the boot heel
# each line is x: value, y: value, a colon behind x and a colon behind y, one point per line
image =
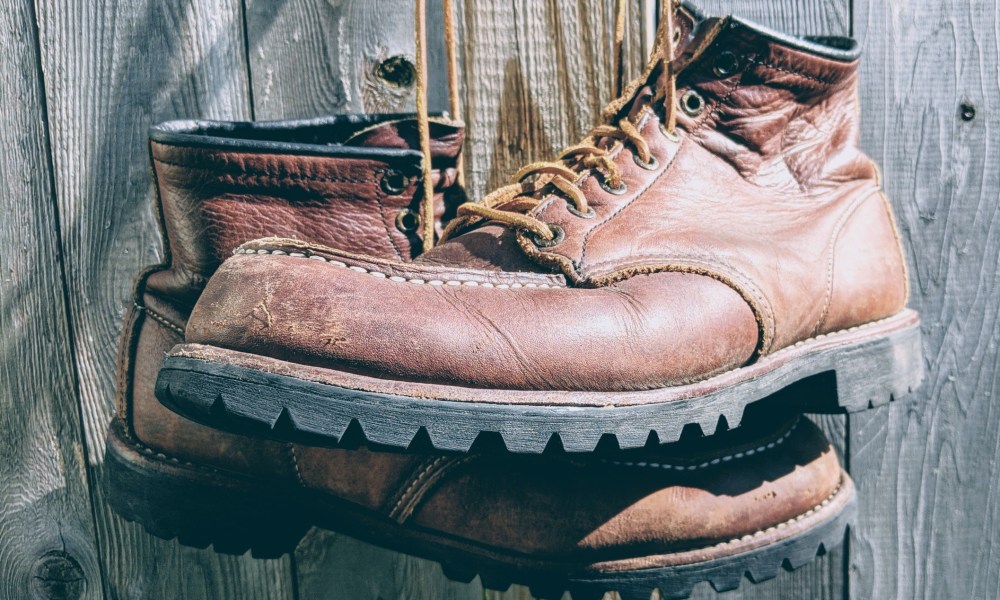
x: 198, y: 506
x: 872, y: 374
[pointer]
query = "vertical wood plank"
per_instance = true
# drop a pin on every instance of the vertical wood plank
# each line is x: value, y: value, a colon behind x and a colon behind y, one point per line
x: 926, y: 468
x: 315, y: 57
x: 112, y: 68
x: 537, y: 76
x: 48, y: 546
x: 798, y: 17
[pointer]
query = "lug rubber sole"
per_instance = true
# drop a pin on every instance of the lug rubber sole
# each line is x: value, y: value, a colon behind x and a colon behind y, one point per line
x: 204, y: 507
x: 254, y: 395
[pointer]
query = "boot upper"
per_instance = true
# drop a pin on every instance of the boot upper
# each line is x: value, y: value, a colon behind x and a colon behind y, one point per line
x: 759, y: 224
x: 344, y: 181
x: 677, y: 497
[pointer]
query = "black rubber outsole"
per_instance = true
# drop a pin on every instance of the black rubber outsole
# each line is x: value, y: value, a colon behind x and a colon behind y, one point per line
x: 250, y: 401
x: 202, y: 507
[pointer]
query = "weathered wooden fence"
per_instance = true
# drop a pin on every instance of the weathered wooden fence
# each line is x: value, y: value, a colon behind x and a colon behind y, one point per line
x: 81, y: 80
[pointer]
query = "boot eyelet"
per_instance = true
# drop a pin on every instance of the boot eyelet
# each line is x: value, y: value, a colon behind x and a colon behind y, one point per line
x: 590, y: 214
x: 393, y: 182
x: 407, y: 221
x: 692, y: 103
x: 726, y: 64
x: 558, y: 235
x: 652, y: 165
x: 673, y: 136
x: 618, y: 191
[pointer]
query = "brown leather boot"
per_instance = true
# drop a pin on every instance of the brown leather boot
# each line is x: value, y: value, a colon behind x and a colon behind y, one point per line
x: 749, y: 501
x: 350, y: 181
x: 722, y: 237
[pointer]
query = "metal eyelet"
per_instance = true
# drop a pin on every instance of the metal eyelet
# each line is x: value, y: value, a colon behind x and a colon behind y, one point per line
x: 618, y: 191
x: 652, y: 165
x: 692, y: 103
x: 407, y: 221
x: 393, y: 182
x: 558, y: 235
x: 590, y: 214
x: 673, y: 136
x: 726, y: 64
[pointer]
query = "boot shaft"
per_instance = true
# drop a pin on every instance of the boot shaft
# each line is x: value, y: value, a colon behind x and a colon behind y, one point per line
x: 349, y: 182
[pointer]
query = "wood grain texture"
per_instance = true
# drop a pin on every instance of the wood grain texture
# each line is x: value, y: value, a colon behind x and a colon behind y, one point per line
x: 537, y: 75
x: 48, y: 547
x: 316, y: 57
x: 798, y: 17
x: 927, y: 468
x: 330, y: 565
x: 113, y: 68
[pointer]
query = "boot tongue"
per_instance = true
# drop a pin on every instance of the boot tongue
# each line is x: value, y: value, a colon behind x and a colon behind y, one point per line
x: 403, y: 134
x: 493, y: 246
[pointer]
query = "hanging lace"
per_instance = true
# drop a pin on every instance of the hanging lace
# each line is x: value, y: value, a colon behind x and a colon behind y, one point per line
x: 510, y: 205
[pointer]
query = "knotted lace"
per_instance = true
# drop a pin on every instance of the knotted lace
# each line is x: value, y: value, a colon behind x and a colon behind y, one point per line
x: 512, y: 204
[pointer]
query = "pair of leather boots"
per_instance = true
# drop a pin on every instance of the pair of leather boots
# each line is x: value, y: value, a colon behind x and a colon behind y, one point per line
x: 590, y: 380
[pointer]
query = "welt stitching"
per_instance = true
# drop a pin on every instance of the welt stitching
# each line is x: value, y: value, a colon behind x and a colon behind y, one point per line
x: 783, y: 524
x: 396, y: 278
x: 776, y: 67
x: 254, y: 174
x: 710, y: 463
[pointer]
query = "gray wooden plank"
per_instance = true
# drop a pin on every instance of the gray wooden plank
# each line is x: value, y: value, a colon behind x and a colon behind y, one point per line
x: 537, y: 76
x: 112, y: 68
x: 926, y: 468
x: 48, y: 546
x: 801, y: 17
x: 315, y: 57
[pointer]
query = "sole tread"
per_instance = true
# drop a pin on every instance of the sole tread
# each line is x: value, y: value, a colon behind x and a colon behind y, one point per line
x: 256, y: 402
x: 200, y: 508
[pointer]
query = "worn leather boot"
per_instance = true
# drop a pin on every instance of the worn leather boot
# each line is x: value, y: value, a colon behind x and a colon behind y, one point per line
x: 749, y: 501
x: 350, y: 181
x: 720, y: 238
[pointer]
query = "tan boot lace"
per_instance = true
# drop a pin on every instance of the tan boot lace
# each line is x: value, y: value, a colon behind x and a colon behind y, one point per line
x: 423, y: 116
x: 511, y: 204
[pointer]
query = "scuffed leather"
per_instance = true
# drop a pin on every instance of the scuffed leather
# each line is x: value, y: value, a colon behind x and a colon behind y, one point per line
x: 505, y: 503
x: 657, y: 328
x: 220, y: 184
x: 213, y: 198
x: 764, y: 224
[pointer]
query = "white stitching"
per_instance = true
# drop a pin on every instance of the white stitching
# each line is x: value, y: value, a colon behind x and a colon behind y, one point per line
x: 295, y: 465
x: 505, y: 286
x: 398, y: 279
x: 161, y: 319
x: 783, y: 524
x: 394, y: 514
x: 707, y: 464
